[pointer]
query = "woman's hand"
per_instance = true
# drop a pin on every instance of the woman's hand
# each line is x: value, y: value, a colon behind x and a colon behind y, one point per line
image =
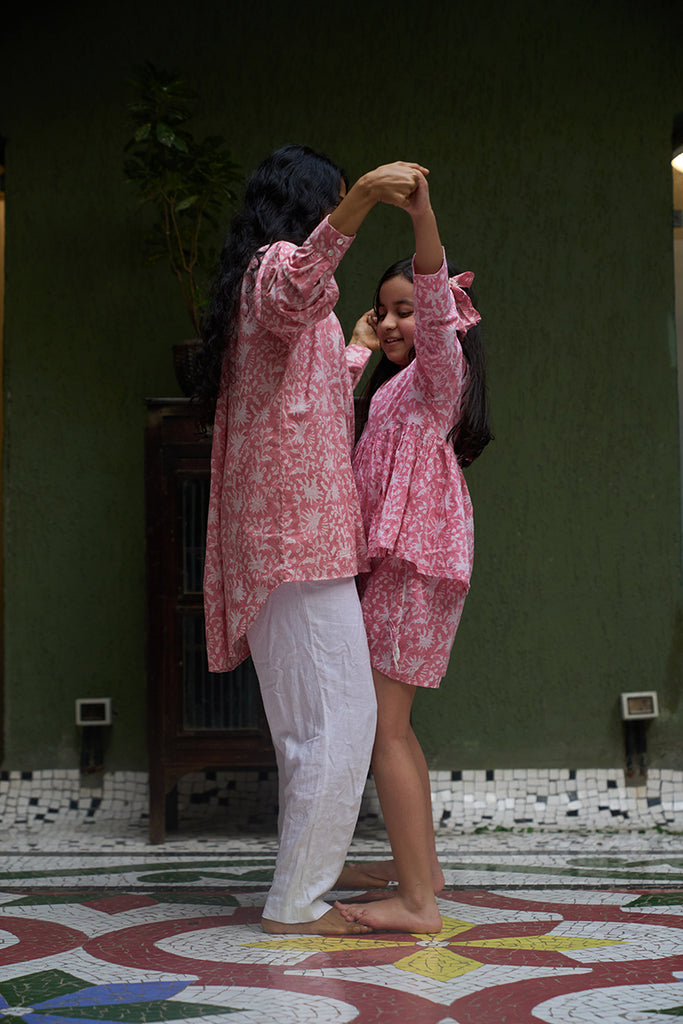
x: 364, y: 333
x: 391, y: 183
x: 395, y: 183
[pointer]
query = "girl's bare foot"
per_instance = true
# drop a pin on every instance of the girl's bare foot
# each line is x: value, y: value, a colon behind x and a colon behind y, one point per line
x: 393, y: 915
x: 378, y: 874
x: 331, y: 923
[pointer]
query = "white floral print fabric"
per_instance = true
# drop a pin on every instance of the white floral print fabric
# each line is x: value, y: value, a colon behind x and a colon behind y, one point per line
x: 283, y: 505
x: 410, y: 620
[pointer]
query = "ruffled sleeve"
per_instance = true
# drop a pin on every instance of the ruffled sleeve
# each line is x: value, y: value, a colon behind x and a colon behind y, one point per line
x: 443, y: 315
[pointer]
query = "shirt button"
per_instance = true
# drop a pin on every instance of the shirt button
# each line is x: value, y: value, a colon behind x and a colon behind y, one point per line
x: 330, y: 252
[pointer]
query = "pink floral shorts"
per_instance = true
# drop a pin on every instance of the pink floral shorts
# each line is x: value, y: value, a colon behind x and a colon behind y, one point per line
x: 410, y: 619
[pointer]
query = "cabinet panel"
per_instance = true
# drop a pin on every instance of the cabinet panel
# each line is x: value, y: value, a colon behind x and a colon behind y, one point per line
x: 196, y: 719
x: 225, y: 701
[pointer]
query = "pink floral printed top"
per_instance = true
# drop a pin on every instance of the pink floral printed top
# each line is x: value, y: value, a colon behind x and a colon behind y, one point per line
x: 412, y: 491
x: 283, y: 504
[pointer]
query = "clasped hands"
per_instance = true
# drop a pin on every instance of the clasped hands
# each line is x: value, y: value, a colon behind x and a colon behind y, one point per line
x: 401, y: 183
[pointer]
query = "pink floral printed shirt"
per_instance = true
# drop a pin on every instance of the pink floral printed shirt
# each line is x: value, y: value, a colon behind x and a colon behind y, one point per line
x: 283, y: 504
x: 413, y: 494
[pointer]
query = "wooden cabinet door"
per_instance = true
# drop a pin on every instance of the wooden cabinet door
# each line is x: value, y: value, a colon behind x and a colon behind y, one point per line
x: 195, y: 718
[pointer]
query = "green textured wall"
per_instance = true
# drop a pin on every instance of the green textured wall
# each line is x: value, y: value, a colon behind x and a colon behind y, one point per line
x: 547, y: 130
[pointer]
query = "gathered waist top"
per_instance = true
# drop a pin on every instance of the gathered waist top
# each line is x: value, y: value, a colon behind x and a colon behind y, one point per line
x: 413, y: 496
x: 414, y: 500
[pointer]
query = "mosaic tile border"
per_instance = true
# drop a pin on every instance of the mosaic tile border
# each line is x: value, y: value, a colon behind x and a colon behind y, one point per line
x: 461, y: 800
x: 556, y: 798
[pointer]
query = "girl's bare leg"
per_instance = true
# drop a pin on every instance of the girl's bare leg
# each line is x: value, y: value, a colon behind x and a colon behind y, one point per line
x: 438, y: 880
x: 366, y: 876
x: 407, y: 812
x: 378, y: 874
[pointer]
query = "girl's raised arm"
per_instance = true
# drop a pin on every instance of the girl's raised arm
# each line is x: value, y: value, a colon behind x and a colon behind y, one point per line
x: 439, y: 362
x: 428, y: 248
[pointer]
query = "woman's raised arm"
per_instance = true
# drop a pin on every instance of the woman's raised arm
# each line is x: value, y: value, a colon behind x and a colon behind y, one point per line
x: 391, y: 183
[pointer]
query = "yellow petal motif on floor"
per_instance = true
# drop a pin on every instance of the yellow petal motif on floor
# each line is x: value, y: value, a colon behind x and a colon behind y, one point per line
x: 435, y: 959
x: 438, y: 964
x: 551, y: 943
x: 325, y: 944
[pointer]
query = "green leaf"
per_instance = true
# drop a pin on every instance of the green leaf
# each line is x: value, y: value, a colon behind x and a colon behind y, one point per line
x: 165, y: 135
x: 186, y: 203
x: 187, y: 181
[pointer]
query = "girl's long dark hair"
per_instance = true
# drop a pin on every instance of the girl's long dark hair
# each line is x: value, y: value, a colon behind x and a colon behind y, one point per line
x: 285, y: 199
x: 470, y: 434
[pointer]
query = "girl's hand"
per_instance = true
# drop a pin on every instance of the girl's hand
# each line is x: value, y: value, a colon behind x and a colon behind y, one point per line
x: 390, y: 183
x: 394, y: 183
x: 364, y: 332
x: 418, y: 202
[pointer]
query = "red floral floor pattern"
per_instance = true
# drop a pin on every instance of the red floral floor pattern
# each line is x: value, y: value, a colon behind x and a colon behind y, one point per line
x: 504, y: 956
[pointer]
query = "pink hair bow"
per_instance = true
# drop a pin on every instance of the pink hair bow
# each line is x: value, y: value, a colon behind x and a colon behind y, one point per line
x: 466, y: 313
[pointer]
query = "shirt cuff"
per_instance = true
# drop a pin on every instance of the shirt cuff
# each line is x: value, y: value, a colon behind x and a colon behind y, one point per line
x: 431, y: 286
x: 441, y: 272
x: 357, y: 358
x: 330, y: 242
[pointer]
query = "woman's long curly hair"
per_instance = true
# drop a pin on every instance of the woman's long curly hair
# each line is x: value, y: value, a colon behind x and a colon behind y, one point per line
x: 470, y: 434
x: 286, y: 197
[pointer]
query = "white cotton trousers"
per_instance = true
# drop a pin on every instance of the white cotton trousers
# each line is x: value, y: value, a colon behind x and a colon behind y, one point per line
x: 310, y: 652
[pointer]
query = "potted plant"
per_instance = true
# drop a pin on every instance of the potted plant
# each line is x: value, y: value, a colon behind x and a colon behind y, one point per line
x: 188, y: 182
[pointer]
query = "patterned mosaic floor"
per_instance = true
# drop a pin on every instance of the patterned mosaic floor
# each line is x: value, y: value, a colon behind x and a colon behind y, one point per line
x: 564, y: 928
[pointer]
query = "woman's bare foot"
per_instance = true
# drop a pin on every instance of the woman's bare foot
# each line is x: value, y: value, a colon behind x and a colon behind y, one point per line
x: 378, y: 874
x: 331, y: 923
x: 393, y: 915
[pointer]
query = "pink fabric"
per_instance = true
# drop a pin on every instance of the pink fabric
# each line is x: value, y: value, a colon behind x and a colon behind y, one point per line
x: 410, y: 620
x: 283, y: 504
x: 412, y: 491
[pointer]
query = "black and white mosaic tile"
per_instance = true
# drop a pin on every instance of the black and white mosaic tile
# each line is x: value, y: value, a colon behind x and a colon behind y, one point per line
x: 462, y: 801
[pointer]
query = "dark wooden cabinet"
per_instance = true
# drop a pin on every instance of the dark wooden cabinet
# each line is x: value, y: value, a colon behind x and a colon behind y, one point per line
x: 195, y: 719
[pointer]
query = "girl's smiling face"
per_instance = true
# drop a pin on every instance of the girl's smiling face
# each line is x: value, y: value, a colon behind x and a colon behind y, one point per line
x: 396, y: 321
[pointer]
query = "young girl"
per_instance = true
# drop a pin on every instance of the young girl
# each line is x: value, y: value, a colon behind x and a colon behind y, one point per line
x: 284, y: 533
x: 427, y: 420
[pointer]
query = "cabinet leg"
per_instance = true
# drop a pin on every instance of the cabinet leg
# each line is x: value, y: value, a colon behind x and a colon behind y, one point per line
x: 157, y: 816
x: 171, y: 810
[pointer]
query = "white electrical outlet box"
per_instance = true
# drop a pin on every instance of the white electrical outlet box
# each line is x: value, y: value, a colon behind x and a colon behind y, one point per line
x: 640, y: 704
x: 93, y: 711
